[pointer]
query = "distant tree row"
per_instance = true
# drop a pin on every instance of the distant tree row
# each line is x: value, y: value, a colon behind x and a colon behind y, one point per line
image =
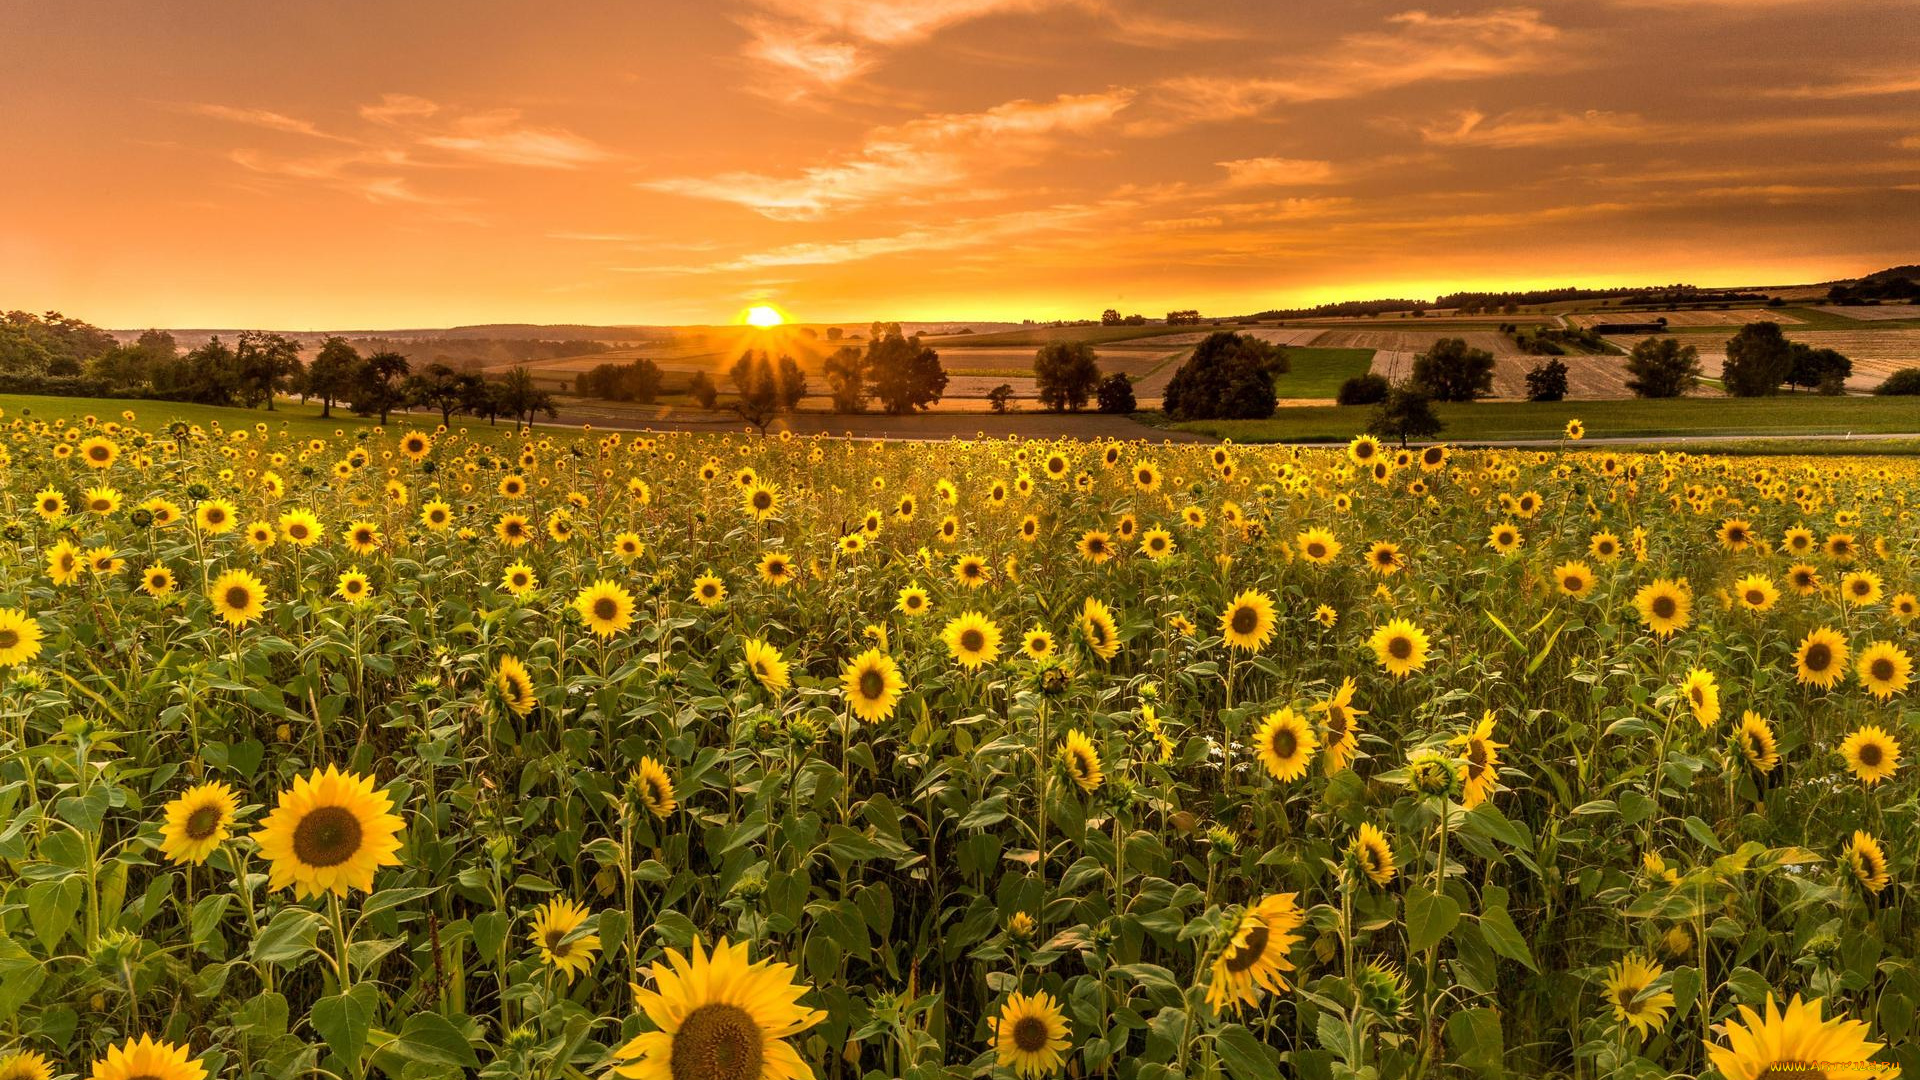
x: 1066, y: 374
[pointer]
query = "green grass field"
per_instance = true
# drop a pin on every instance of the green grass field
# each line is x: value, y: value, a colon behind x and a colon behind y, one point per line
x: 1318, y: 372
x: 1800, y: 414
x: 301, y: 420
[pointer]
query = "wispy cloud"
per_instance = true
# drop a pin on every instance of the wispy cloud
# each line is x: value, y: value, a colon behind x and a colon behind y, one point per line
x: 944, y: 151
x: 1276, y: 172
x: 1415, y: 47
x: 1873, y: 84
x: 1541, y: 127
x: 262, y: 118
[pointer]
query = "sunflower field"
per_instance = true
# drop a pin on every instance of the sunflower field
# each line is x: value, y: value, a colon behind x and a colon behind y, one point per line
x: 423, y: 753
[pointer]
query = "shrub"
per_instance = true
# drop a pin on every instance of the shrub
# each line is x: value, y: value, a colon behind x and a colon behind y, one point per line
x: 1368, y: 389
x: 1547, y: 381
x: 1116, y: 394
x: 1902, y: 383
x: 1228, y: 377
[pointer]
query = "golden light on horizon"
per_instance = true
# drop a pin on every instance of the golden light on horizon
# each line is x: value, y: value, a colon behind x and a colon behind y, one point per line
x: 764, y: 316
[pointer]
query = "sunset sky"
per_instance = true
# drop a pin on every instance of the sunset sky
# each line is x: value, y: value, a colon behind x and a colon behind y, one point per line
x: 354, y: 164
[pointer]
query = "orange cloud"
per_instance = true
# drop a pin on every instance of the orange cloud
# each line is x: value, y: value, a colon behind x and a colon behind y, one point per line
x: 1276, y: 172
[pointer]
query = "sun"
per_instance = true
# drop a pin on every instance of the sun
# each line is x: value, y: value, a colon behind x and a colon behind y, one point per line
x: 764, y: 316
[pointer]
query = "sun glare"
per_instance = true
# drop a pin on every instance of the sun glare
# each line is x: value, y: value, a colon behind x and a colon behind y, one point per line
x: 763, y: 316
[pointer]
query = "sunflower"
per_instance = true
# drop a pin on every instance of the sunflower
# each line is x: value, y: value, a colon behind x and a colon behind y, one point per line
x: 147, y: 1058
x: 1840, y: 547
x: 1504, y: 538
x: 99, y: 452
x: 1872, y: 754
x: 1573, y: 578
x: 1481, y: 756
x: 1883, y: 668
x: 1400, y: 647
x: 1097, y: 626
x: 329, y: 832
x: 362, y: 537
x: 1095, y: 546
x: 1735, y: 534
x: 972, y: 639
x: 605, y: 607
x: 1317, y: 546
x: 1868, y: 861
x: 1037, y: 644
x: 50, y: 504
x: 1146, y: 477
x: 1326, y: 615
x: 776, y: 569
x: 1077, y: 753
x: 912, y: 601
x: 1256, y: 954
x: 519, y: 579
x: 515, y: 685
x: 653, y: 788
x: 238, y: 597
x: 1630, y: 991
x: 353, y: 586
x: 1372, y: 854
x: 1804, y: 578
x: 718, y: 1017
x: 1756, y: 1044
x: 1363, y: 449
x: 1861, y: 588
x: 1342, y: 737
x: 214, y: 517
x: 197, y: 822
x: 19, y: 637
x: 1248, y: 621
x: 872, y: 684
x: 1756, y: 592
x: 1703, y: 696
x: 513, y: 530
x: 761, y: 501
x: 556, y: 936
x: 25, y: 1065
x: 1384, y: 558
x: 1821, y: 658
x: 1664, y: 606
x: 1286, y: 745
x: 1905, y: 605
x: 1757, y: 742
x: 436, y: 515
x: 157, y: 582
x: 970, y: 571
x: 767, y: 666
x: 709, y: 591
x: 300, y: 528
x: 102, y: 500
x: 1156, y: 544
x: 1030, y: 1034
x: 104, y: 561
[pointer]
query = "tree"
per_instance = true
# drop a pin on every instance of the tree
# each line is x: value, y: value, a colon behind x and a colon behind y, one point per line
x: 439, y: 387
x: 1110, y: 317
x: 790, y: 382
x: 1452, y: 370
x: 1367, y: 389
x: 267, y: 363
x: 1406, y: 414
x: 637, y: 381
x: 846, y: 373
x: 380, y: 387
x: 480, y: 398
x: 1547, y: 381
x: 205, y: 376
x: 763, y: 388
x: 519, y: 397
x: 1000, y: 398
x: 701, y: 389
x: 1759, y: 359
x: 334, y: 373
x: 1817, y: 368
x: 1065, y: 374
x: 1902, y: 383
x: 1229, y: 376
x: 1116, y: 394
x: 906, y: 375
x: 1661, y: 367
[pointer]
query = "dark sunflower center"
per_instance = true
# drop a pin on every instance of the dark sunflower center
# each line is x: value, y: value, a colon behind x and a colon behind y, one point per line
x: 761, y: 500
x: 239, y: 598
x: 1756, y: 597
x: 1664, y: 607
x: 298, y: 532
x: 972, y: 640
x: 1400, y: 648
x: 1818, y: 657
x: 1573, y: 582
x: 1316, y: 550
x: 1245, y: 619
x: 1882, y: 669
x: 1285, y: 742
x: 9, y: 637
x: 327, y: 836
x: 1870, y: 756
x: 1030, y: 1034
x: 605, y: 609
x: 202, y: 822
x: 717, y: 1042
x: 1246, y: 956
x: 555, y: 942
x: 872, y: 684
